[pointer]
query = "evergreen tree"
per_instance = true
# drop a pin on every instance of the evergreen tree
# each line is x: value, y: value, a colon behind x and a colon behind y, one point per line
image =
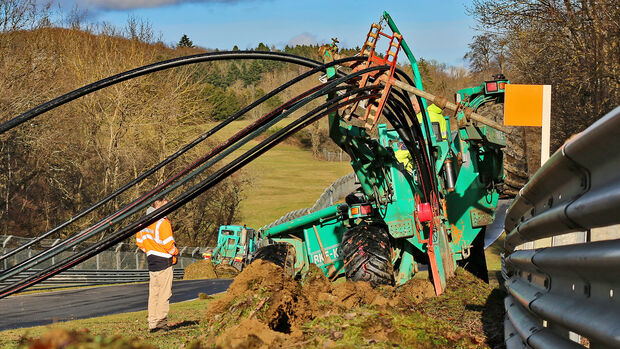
x: 234, y: 73
x: 235, y: 48
x: 185, y: 42
x: 252, y: 75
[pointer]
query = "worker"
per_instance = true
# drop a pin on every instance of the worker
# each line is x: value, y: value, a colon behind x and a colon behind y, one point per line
x: 157, y: 242
x: 438, y: 121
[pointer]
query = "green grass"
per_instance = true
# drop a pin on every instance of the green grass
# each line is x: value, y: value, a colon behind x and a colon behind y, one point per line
x: 284, y: 179
x: 186, y: 315
x: 494, y: 262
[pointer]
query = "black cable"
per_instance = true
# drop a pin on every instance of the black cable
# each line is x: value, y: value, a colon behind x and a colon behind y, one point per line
x: 151, y: 68
x: 333, y: 85
x: 173, y: 156
x: 415, y: 123
x: 189, y: 195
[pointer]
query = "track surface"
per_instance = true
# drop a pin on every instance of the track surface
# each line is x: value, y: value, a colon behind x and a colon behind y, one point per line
x: 46, y: 308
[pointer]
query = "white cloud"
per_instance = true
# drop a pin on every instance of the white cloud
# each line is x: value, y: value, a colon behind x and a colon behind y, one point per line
x: 135, y: 4
x: 302, y: 39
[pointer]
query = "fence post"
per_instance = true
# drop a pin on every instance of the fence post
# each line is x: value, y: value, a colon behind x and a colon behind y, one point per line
x: 97, y: 260
x: 73, y: 250
x: 137, y: 258
x: 180, y: 254
x: 4, y: 248
x: 54, y: 257
x: 195, y: 250
x: 118, y: 255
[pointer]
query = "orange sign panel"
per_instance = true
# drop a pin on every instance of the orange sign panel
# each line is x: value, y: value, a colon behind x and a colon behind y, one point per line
x: 523, y: 105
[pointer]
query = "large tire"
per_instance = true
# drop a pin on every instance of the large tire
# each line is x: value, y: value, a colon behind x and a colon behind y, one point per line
x: 367, y: 255
x: 280, y: 254
x: 515, y: 156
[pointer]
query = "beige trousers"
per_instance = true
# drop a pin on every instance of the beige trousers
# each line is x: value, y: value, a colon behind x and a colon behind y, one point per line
x: 160, y: 291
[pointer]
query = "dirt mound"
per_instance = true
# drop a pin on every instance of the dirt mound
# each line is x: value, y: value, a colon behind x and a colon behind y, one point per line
x: 414, y: 292
x: 263, y: 308
x: 202, y: 269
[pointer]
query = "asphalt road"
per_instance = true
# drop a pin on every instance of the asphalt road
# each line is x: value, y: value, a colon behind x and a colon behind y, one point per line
x: 49, y: 307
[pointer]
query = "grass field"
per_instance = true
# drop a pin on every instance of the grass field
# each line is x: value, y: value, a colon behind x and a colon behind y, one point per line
x: 184, y: 318
x: 284, y: 179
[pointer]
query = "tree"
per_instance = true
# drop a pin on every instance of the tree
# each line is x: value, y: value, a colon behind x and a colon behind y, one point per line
x: 486, y: 54
x: 569, y: 44
x: 185, y: 42
x: 235, y: 48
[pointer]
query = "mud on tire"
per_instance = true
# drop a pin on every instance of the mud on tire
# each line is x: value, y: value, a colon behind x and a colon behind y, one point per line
x: 367, y: 255
x: 515, y: 156
x: 280, y: 254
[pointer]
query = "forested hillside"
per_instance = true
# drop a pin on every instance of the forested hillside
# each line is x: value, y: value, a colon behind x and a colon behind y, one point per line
x: 68, y: 159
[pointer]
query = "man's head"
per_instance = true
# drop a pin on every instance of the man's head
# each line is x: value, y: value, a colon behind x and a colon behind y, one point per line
x: 156, y: 204
x: 159, y: 203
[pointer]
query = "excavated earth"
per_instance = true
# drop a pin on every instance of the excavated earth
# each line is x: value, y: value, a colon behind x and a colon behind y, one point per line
x: 202, y: 269
x: 265, y: 309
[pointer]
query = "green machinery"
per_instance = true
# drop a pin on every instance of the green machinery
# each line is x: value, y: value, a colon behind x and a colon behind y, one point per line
x: 488, y: 91
x: 392, y: 223
x: 234, y: 244
x: 487, y: 99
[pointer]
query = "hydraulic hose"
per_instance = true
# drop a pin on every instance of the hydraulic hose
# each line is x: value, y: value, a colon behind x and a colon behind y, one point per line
x: 173, y: 156
x: 427, y: 150
x: 188, y: 195
x: 100, y: 227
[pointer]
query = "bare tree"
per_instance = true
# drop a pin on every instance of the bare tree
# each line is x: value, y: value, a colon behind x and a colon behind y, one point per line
x: 570, y: 44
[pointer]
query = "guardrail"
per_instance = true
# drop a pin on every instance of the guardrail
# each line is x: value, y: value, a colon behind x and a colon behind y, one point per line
x: 557, y: 293
x: 74, y: 278
x: 123, y: 256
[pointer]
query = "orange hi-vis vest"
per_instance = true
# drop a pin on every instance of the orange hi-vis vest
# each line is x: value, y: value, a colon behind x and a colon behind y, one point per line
x: 157, y: 239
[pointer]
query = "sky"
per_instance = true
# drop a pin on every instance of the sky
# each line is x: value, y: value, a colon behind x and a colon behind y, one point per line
x: 434, y: 29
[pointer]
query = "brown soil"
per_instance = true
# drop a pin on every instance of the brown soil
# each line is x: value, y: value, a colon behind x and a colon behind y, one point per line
x: 202, y: 269
x: 263, y: 308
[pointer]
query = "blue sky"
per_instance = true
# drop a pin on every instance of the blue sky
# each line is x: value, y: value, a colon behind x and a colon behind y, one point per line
x: 434, y: 29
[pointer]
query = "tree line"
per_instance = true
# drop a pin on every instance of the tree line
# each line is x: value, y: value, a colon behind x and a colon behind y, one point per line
x: 569, y: 44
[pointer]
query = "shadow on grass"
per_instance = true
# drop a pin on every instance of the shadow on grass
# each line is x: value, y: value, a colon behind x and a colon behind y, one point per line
x: 493, y: 318
x: 183, y: 324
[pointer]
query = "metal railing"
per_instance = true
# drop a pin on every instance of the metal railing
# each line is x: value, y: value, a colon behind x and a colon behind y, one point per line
x: 120, y: 264
x: 559, y: 293
x: 80, y: 278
